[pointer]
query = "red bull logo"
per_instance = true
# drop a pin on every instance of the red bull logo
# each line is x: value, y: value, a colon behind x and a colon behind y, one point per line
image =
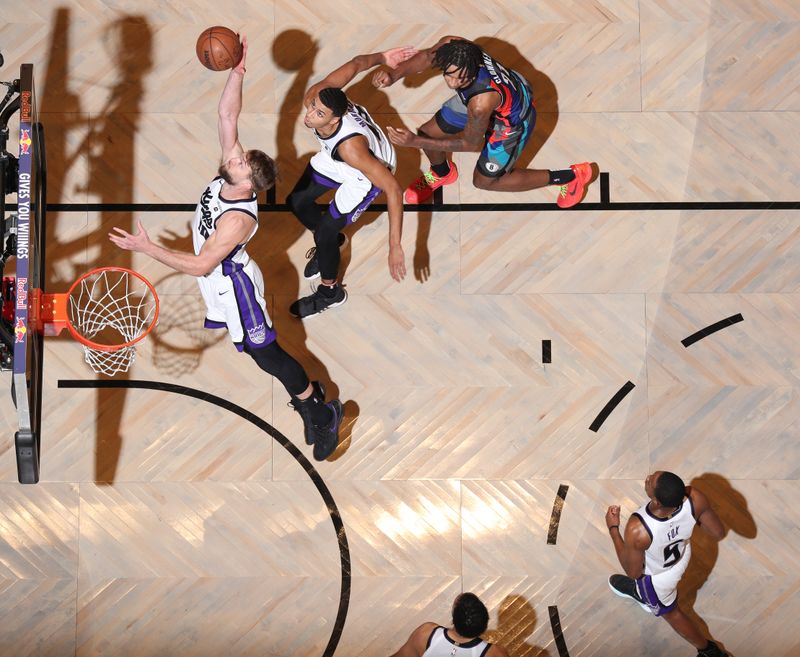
x: 20, y: 330
x: 25, y: 142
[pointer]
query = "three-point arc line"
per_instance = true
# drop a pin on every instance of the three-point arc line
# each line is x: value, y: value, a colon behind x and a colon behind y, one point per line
x: 311, y: 471
x: 713, y: 328
x: 611, y: 405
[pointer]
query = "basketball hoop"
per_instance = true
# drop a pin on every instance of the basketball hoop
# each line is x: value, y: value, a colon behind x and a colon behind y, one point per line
x: 108, y: 310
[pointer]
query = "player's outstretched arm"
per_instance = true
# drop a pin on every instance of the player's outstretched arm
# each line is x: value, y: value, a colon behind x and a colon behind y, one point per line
x: 346, y: 72
x: 421, y: 61
x: 229, y: 108
x: 232, y: 229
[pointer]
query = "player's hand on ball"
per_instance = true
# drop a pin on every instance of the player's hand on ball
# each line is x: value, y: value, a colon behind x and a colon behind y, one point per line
x: 239, y: 68
x: 396, y: 56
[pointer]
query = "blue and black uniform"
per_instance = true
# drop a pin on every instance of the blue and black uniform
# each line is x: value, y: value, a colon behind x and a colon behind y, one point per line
x: 512, y: 121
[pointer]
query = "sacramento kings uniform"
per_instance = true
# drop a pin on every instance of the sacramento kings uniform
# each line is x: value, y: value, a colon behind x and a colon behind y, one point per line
x: 513, y: 119
x: 440, y: 645
x: 355, y: 192
x: 234, y: 290
x: 667, y: 557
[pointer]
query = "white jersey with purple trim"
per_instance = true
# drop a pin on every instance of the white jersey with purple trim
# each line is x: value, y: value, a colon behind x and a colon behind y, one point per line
x: 441, y: 645
x: 211, y: 207
x: 670, y: 536
x: 355, y: 122
x: 234, y: 290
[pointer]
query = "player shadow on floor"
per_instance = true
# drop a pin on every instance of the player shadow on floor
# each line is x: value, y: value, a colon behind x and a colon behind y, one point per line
x: 516, y: 622
x: 731, y: 507
x: 108, y: 148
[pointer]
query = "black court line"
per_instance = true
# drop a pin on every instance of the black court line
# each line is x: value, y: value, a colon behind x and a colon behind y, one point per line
x: 555, y: 516
x: 605, y: 188
x: 611, y: 405
x: 558, y: 634
x: 547, y: 352
x: 311, y: 471
x: 450, y: 207
x: 713, y: 328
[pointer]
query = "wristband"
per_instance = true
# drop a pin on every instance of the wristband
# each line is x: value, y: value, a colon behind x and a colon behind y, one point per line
x: 613, y: 527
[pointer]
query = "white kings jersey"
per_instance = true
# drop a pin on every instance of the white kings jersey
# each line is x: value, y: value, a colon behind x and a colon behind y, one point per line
x: 440, y: 645
x: 357, y: 121
x: 211, y: 207
x: 670, y: 536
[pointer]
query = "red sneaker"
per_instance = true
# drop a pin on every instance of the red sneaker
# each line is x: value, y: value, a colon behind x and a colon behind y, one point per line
x: 573, y: 192
x: 422, y: 188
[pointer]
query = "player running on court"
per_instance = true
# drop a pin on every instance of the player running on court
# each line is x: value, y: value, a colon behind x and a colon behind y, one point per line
x: 492, y: 112
x: 656, y: 551
x: 355, y: 159
x: 230, y: 282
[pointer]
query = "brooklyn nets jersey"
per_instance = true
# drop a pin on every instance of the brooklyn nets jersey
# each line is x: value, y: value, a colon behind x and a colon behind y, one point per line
x: 440, y: 645
x: 211, y: 207
x: 670, y: 536
x: 357, y: 121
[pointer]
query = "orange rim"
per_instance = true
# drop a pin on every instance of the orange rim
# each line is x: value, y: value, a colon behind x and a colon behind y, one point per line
x: 107, y: 347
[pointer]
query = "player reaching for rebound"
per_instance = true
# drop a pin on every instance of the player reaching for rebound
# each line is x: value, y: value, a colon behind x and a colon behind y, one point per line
x: 492, y: 112
x: 230, y: 282
x: 655, y: 551
x: 357, y: 160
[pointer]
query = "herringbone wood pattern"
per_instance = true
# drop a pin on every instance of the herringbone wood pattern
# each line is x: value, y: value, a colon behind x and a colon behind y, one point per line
x: 167, y: 525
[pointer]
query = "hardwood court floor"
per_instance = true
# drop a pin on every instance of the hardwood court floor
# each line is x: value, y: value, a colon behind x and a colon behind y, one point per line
x: 165, y: 524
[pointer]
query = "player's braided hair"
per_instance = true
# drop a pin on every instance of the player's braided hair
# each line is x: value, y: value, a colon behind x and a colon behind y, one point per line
x: 464, y: 55
x: 335, y: 100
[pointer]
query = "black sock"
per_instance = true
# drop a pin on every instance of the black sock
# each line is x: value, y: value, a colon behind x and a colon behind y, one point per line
x: 327, y: 290
x: 561, y: 177
x: 442, y: 169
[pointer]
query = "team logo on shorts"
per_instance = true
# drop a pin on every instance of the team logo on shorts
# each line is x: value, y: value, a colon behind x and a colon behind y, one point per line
x: 257, y: 334
x: 491, y: 166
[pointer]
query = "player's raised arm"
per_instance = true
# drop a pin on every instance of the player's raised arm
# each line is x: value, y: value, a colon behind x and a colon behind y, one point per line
x: 346, y: 72
x: 230, y: 106
x: 421, y: 61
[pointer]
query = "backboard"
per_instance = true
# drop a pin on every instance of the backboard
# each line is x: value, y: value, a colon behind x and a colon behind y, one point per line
x: 30, y: 260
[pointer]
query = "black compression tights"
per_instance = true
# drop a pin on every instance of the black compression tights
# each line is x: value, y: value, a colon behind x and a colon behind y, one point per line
x: 275, y: 361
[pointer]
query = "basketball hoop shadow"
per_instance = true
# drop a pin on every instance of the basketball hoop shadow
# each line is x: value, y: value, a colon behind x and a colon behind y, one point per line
x: 179, y: 339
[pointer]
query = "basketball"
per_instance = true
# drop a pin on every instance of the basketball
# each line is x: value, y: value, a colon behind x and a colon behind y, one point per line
x: 218, y: 48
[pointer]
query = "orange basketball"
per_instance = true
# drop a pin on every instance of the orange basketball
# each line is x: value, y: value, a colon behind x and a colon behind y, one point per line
x: 218, y: 48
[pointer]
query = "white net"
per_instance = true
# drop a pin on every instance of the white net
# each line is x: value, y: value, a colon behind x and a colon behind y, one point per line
x: 111, y: 307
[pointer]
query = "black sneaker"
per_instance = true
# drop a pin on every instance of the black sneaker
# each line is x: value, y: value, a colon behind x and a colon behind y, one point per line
x: 304, y: 413
x: 317, y: 302
x: 711, y: 650
x: 326, y: 439
x: 625, y: 587
x: 312, y: 266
